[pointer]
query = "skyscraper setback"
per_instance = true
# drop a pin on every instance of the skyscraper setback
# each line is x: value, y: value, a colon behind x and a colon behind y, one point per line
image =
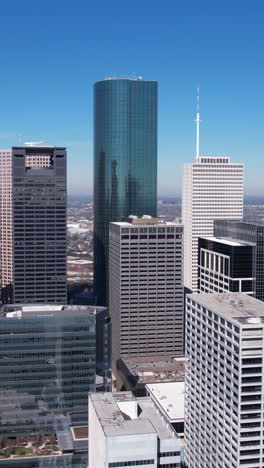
x: 33, y: 217
x: 125, y: 161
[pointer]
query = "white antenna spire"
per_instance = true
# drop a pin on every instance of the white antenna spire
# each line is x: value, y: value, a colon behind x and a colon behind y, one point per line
x: 20, y: 138
x: 198, y: 125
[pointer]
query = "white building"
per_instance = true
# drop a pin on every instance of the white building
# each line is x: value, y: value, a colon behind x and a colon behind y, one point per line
x: 169, y: 398
x: 146, y: 287
x: 125, y: 431
x: 224, y: 381
x: 212, y: 189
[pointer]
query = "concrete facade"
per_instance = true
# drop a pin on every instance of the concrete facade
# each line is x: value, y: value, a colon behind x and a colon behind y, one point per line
x: 146, y: 287
x: 224, y: 381
x: 212, y: 189
x: 125, y: 431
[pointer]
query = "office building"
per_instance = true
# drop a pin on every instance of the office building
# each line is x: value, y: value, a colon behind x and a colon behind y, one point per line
x: 224, y: 381
x: 125, y: 161
x: 251, y: 233
x: 135, y: 373
x: 146, y: 287
x: 169, y: 398
x: 224, y: 265
x: 33, y: 218
x: 212, y: 189
x: 126, y: 431
x: 48, y: 365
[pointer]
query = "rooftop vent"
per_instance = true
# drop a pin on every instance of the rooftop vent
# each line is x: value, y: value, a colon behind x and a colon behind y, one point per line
x: 254, y: 320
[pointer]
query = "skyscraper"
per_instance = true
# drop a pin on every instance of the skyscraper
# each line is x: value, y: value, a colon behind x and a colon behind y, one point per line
x: 224, y: 265
x: 48, y: 364
x: 251, y: 233
x: 212, y: 188
x: 125, y: 161
x: 146, y: 287
x: 33, y: 224
x: 224, y: 381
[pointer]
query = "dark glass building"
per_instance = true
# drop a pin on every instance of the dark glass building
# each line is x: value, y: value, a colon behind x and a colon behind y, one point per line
x: 33, y: 204
x: 252, y: 233
x: 125, y: 161
x: 48, y: 366
x: 224, y: 266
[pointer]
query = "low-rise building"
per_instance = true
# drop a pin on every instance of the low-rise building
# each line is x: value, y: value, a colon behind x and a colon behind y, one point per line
x: 169, y: 398
x: 134, y: 373
x: 129, y: 431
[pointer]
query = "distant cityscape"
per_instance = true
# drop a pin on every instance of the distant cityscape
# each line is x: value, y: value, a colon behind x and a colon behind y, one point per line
x: 80, y: 232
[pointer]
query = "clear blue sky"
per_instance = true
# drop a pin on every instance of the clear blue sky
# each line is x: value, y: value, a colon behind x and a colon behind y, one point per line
x: 51, y: 53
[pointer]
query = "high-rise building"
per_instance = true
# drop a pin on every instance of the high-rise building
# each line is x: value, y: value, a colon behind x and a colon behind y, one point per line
x: 224, y: 265
x: 224, y: 381
x: 146, y: 287
x: 128, y: 431
x: 48, y: 364
x: 212, y: 189
x: 251, y: 233
x: 125, y: 161
x: 33, y: 224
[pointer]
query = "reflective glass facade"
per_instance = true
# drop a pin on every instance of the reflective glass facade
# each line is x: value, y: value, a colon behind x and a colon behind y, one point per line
x: 47, y: 367
x: 247, y: 231
x: 224, y: 267
x: 125, y: 161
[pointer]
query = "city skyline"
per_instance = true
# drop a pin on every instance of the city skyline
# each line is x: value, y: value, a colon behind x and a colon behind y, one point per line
x: 218, y: 47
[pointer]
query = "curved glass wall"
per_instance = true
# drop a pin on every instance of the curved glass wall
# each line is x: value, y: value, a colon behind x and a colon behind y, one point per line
x: 125, y: 161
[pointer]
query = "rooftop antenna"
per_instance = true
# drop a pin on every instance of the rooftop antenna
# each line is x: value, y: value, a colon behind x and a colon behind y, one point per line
x: 20, y: 138
x: 198, y: 125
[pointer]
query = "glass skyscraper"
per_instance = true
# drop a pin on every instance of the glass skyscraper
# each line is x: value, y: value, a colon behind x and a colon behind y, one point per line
x: 125, y: 161
x: 252, y: 233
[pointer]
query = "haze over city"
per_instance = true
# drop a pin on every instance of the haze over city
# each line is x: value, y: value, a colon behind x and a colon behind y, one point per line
x: 59, y: 50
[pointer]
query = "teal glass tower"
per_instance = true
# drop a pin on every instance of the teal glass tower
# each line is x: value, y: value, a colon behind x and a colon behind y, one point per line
x: 125, y: 161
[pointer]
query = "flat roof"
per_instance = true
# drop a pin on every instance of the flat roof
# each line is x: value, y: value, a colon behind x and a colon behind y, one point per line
x: 115, y: 422
x: 156, y: 368
x: 170, y: 397
x: 236, y: 306
x: 146, y: 222
x: 47, y: 310
x: 240, y: 221
x: 222, y: 240
x: 32, y: 146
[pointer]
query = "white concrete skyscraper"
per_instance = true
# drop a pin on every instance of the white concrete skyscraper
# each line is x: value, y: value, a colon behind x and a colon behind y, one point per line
x: 212, y: 189
x: 224, y: 381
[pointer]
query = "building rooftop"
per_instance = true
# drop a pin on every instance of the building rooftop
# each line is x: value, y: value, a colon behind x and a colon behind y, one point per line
x: 170, y: 398
x: 240, y: 221
x: 226, y: 241
x: 122, y: 414
x: 156, y: 368
x: 145, y: 220
x: 46, y: 310
x: 32, y: 145
x: 236, y: 306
